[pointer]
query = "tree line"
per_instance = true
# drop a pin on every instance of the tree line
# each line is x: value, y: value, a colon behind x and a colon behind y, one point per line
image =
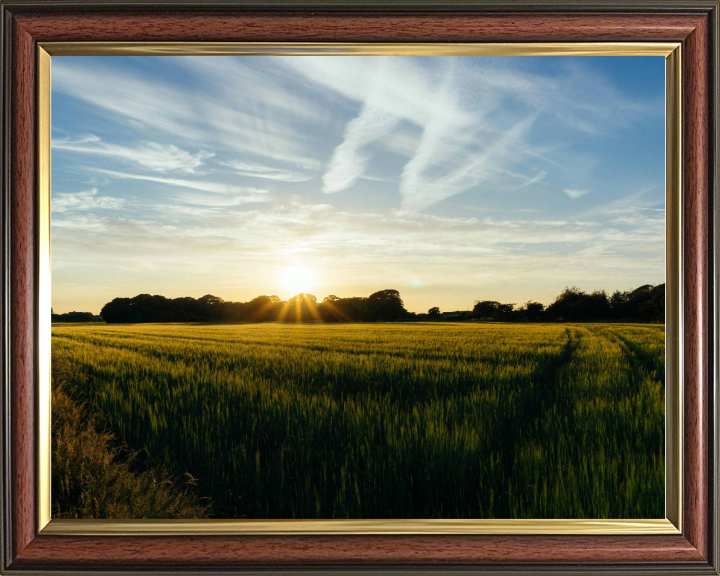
x: 382, y: 306
x: 643, y: 304
x: 74, y: 317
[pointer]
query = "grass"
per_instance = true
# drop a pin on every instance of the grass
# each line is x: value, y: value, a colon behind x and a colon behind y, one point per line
x: 94, y: 477
x: 388, y: 420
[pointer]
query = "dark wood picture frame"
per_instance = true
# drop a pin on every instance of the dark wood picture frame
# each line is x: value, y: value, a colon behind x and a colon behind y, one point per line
x: 25, y: 23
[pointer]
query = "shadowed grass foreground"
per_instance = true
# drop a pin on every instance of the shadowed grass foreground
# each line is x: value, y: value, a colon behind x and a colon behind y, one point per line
x: 93, y: 478
x: 389, y: 420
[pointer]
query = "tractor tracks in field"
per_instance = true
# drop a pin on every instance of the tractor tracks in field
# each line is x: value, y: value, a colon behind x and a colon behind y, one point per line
x: 545, y: 393
x: 642, y: 365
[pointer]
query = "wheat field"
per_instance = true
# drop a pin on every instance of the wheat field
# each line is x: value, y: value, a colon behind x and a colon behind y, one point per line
x: 418, y: 420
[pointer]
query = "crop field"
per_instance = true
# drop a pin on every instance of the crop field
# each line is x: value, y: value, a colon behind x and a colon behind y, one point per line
x: 433, y: 420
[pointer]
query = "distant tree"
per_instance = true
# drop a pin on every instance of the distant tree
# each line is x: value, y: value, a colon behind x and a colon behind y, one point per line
x: 302, y: 297
x: 505, y: 312
x: 386, y: 305
x: 434, y: 312
x: 301, y: 308
x: 186, y: 309
x: 598, y: 306
x: 262, y: 309
x: 75, y: 317
x: 492, y: 310
x: 531, y: 311
x: 485, y: 310
x: 118, y: 310
x: 354, y: 309
x: 574, y: 305
x: 330, y: 310
x: 211, y: 307
x: 654, y: 308
x: 152, y: 308
x: 648, y: 303
x: 210, y: 300
x: 619, y: 304
x: 570, y: 306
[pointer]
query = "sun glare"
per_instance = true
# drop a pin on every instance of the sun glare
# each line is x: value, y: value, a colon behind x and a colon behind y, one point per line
x: 297, y: 279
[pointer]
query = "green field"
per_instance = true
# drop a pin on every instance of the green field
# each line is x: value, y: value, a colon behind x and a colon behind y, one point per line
x: 416, y: 420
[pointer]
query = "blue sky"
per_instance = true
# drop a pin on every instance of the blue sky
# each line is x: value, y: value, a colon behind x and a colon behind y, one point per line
x: 450, y: 179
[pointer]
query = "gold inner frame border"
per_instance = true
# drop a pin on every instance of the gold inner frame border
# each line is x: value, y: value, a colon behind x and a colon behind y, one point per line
x: 671, y: 524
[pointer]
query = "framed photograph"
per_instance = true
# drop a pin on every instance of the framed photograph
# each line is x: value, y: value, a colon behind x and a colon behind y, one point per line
x: 359, y: 288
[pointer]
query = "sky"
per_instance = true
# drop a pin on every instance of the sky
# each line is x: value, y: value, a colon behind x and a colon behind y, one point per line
x: 449, y: 179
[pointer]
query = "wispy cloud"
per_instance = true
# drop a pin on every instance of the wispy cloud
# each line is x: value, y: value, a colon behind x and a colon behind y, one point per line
x: 627, y: 204
x: 221, y: 201
x: 349, y: 161
x: 257, y: 121
x: 473, y: 120
x: 85, y: 200
x: 158, y: 157
x: 420, y: 191
x: 216, y: 187
x: 260, y: 171
x: 575, y: 193
x: 529, y: 181
x: 476, y: 121
x: 156, y: 105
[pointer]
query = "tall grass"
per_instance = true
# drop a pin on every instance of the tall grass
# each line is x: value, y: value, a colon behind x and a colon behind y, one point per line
x: 389, y: 420
x: 94, y: 477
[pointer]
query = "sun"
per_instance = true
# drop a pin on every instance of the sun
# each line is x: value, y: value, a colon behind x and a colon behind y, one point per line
x: 297, y: 279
